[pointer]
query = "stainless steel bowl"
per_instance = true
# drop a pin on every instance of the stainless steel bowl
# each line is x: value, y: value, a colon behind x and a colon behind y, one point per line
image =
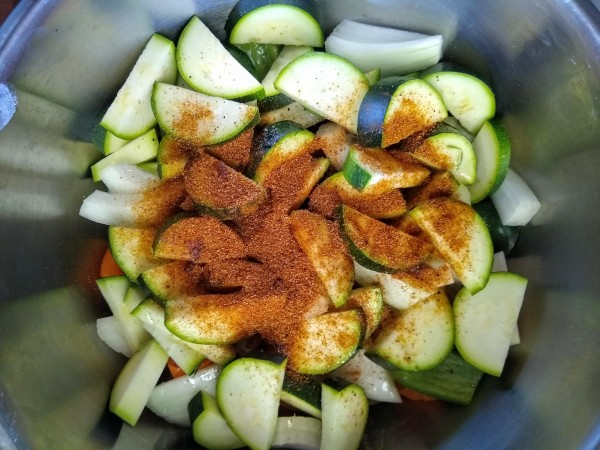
x: 63, y: 61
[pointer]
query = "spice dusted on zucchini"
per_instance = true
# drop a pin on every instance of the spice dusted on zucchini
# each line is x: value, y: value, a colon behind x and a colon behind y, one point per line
x: 219, y: 190
x: 395, y: 108
x: 321, y: 242
x: 461, y: 238
x: 378, y: 246
x: 335, y: 190
x: 200, y: 239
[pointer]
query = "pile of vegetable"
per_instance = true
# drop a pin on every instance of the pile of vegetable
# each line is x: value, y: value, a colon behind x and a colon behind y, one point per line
x: 302, y: 227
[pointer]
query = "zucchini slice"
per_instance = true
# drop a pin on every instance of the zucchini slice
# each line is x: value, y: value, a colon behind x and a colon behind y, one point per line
x: 344, y: 419
x: 220, y: 318
x: 248, y: 392
x: 209, y: 427
x: 287, y: 55
x: 286, y: 22
x: 466, y: 96
x: 207, y: 66
x: 320, y: 241
x: 378, y: 246
x: 335, y: 142
x: 249, y: 276
x: 461, y: 238
x: 276, y: 144
x: 293, y: 111
x: 234, y: 152
x: 200, y: 118
x: 325, y: 342
x: 377, y: 171
x: 492, y: 150
x: 485, y: 321
x: 132, y: 250
x: 116, y: 291
x: 449, y: 151
x: 135, y: 383
x: 130, y: 115
x: 138, y: 150
x: 219, y: 190
x: 417, y: 338
x: 301, y: 392
x: 273, y: 107
x: 440, y: 184
x: 308, y: 80
x: 401, y: 290
x: 369, y: 300
x: 113, y: 143
x: 396, y: 108
x: 454, y: 380
x: 200, y: 239
x: 151, y: 316
x: 241, y: 57
x: 174, y: 279
x: 186, y: 354
x: 173, y: 154
x: 291, y: 183
x: 335, y: 190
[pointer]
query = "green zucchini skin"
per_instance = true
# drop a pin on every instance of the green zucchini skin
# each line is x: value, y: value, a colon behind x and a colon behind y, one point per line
x: 504, y: 237
x: 371, y: 114
x: 274, y: 102
x: 243, y: 7
x: 454, y: 380
x: 243, y: 58
x: 302, y: 393
x: 266, y: 139
x: 448, y: 66
x: 261, y: 56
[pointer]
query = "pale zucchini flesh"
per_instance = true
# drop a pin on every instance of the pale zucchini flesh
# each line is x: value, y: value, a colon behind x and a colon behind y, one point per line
x: 198, y: 117
x: 344, y: 419
x: 492, y: 151
x: 308, y: 80
x: 209, y: 427
x: 325, y: 342
x: 135, y: 383
x: 277, y: 23
x: 320, y: 241
x: 138, y: 150
x: 288, y: 54
x: 460, y: 236
x: 417, y: 338
x: 248, y: 392
x: 467, y: 98
x: 485, y: 321
x: 207, y: 66
x: 130, y: 114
